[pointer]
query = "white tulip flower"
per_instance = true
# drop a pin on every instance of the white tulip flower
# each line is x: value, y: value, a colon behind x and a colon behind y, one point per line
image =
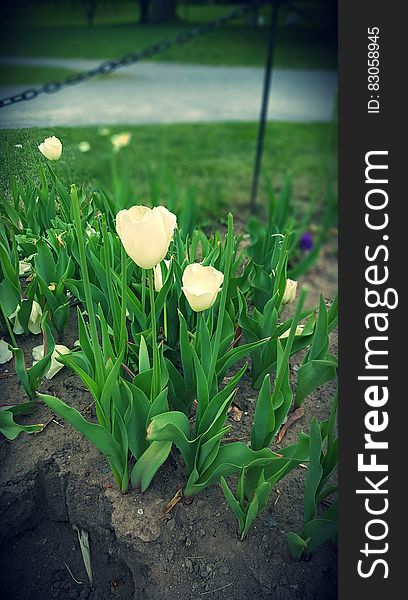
x: 290, y: 291
x: 51, y: 148
x: 55, y: 366
x: 120, y: 140
x: 146, y: 233
x: 201, y: 286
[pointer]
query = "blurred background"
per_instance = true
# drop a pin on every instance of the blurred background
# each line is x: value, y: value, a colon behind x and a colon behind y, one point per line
x: 190, y: 113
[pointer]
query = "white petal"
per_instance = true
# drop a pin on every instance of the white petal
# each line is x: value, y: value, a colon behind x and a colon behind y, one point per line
x: 169, y: 220
x: 55, y: 366
x: 24, y: 267
x: 5, y: 353
x: 34, y: 322
x: 18, y: 329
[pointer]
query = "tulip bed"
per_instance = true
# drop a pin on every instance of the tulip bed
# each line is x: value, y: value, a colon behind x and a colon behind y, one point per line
x: 171, y: 321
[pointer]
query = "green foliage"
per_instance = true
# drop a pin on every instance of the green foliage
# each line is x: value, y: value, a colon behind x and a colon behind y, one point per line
x: 318, y: 366
x: 51, y: 270
x: 209, y: 163
x: 285, y: 216
x: 10, y: 429
x: 155, y: 368
x: 31, y: 378
x: 257, y: 480
x: 255, y: 484
x: 323, y: 457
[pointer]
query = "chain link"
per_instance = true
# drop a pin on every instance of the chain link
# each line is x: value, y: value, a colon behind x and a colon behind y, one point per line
x: 130, y: 58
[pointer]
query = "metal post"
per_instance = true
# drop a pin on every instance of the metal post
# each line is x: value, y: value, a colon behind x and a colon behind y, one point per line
x: 264, y: 106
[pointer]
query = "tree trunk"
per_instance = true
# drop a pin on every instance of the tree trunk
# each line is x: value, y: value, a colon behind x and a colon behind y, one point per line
x: 163, y: 11
x: 90, y: 10
x: 144, y: 11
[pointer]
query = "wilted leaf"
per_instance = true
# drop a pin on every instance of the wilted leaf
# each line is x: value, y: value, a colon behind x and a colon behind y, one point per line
x: 83, y: 537
x: 295, y: 416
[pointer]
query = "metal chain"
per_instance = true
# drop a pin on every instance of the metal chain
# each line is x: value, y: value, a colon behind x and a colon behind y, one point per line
x: 132, y: 57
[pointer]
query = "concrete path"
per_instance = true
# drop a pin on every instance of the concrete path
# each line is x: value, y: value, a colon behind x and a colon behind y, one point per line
x: 152, y: 92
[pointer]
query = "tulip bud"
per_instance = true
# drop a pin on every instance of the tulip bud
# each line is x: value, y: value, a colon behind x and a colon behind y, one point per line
x: 146, y: 233
x: 51, y: 148
x: 290, y: 291
x: 84, y: 146
x: 158, y: 277
x: 306, y: 241
x: 201, y: 286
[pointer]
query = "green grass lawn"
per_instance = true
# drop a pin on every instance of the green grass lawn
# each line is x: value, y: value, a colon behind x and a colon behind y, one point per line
x: 19, y: 74
x: 214, y: 159
x: 41, y: 31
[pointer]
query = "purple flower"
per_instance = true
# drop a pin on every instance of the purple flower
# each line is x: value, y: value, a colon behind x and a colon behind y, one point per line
x: 306, y: 241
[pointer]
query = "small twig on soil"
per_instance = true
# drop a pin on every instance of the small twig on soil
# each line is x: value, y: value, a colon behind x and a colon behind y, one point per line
x: 216, y: 589
x: 70, y: 572
x: 44, y: 425
x: 87, y: 408
x: 170, y: 505
x: 52, y: 420
x: 42, y: 542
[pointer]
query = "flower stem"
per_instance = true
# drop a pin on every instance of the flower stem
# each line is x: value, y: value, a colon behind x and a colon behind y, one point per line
x: 165, y: 321
x: 281, y: 373
x: 223, y: 300
x: 198, y: 332
x: 7, y: 322
x: 156, y: 372
x: 123, y: 331
x: 87, y: 287
x: 144, y: 290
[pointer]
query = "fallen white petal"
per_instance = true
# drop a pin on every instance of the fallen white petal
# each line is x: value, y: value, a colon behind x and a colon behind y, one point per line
x: 55, y: 366
x: 5, y: 353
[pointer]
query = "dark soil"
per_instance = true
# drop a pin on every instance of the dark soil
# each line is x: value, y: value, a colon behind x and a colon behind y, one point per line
x: 55, y: 480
